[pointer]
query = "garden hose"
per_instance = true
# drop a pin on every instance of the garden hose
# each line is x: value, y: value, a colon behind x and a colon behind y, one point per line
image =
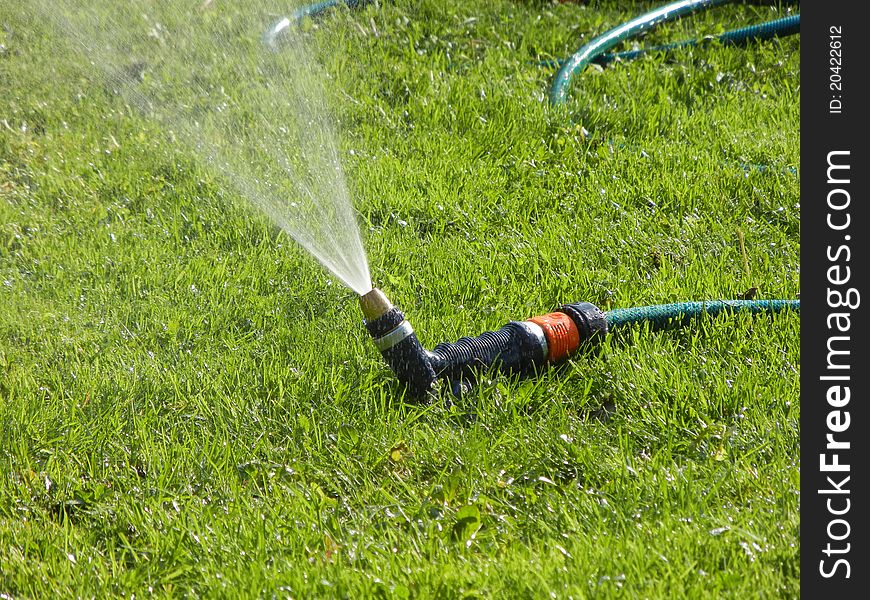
x: 596, y: 50
x: 785, y: 26
x: 307, y: 10
x: 522, y: 347
x: 663, y: 315
x: 598, y: 47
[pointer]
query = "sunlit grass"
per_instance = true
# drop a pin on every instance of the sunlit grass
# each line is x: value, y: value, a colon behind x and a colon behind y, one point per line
x: 189, y: 404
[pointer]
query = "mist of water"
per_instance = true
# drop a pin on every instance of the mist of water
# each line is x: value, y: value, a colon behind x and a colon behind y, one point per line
x: 252, y: 110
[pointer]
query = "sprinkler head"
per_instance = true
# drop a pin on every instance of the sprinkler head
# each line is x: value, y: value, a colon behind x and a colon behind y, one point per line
x: 374, y: 304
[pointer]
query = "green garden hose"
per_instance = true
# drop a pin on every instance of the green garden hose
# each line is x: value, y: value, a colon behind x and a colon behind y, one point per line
x: 311, y: 10
x: 785, y: 26
x: 663, y: 315
x: 306, y: 10
x: 601, y: 44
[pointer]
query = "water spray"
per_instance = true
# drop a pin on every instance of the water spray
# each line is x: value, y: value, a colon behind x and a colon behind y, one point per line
x: 521, y: 348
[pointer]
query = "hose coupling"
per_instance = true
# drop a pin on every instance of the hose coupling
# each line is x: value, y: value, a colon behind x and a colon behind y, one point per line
x: 519, y: 348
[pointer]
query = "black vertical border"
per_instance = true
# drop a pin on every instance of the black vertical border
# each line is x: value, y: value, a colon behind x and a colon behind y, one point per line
x: 824, y: 131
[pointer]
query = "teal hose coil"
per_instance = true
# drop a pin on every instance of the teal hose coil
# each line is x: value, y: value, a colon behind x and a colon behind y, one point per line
x: 663, y: 315
x: 785, y: 26
x: 307, y: 10
x: 601, y: 44
x: 312, y: 10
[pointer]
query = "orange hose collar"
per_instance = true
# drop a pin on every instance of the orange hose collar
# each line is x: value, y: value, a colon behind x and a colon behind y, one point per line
x: 563, y: 337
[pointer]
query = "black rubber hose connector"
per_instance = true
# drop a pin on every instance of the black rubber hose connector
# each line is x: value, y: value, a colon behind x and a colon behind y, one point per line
x: 407, y: 357
x: 513, y: 349
x: 521, y: 348
x: 590, y: 320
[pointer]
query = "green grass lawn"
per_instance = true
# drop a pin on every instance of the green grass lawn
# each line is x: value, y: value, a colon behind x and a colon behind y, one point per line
x: 191, y: 407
